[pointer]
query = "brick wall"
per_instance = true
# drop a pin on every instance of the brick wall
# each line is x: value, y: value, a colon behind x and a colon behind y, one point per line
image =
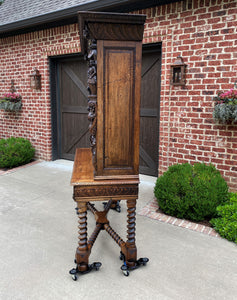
x: 203, y: 32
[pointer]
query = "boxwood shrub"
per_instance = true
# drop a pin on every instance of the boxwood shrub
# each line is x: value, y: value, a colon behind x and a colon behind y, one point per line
x: 191, y: 192
x: 226, y: 223
x: 15, y: 152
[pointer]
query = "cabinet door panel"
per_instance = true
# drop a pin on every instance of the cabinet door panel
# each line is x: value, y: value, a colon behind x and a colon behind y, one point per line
x: 119, y: 71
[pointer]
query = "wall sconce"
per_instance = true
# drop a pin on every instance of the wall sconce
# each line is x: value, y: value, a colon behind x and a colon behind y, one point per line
x: 177, y: 72
x: 35, y: 80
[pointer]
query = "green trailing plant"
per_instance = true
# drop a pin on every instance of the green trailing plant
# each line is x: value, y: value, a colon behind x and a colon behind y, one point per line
x: 226, y: 223
x: 15, y: 152
x: 225, y: 108
x: 10, y: 106
x: 191, y: 192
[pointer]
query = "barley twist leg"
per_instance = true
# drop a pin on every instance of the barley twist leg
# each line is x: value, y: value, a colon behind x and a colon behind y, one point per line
x: 82, y: 253
x: 131, y: 255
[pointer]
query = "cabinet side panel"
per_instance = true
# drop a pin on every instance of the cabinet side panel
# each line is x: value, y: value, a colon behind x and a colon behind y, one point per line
x: 117, y: 109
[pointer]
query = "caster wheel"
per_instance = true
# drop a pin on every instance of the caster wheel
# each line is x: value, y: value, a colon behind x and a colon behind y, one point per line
x: 124, y: 269
x: 126, y: 273
x: 96, y: 266
x: 118, y: 209
x: 145, y: 261
x: 121, y: 257
x: 74, y: 277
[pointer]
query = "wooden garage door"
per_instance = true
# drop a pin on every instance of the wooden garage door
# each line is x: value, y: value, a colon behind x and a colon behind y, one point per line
x: 73, y: 123
x: 149, y: 113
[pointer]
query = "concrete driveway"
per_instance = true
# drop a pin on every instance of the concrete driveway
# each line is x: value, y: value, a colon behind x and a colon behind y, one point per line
x: 39, y: 238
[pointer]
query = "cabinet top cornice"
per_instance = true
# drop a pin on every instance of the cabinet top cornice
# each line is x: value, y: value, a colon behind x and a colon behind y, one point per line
x: 110, y: 26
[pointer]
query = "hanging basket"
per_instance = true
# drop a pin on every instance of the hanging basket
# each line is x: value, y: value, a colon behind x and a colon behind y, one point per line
x: 225, y: 113
x: 11, y: 106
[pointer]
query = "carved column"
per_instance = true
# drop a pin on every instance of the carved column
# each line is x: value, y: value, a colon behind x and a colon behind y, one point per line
x: 131, y: 256
x: 82, y: 253
x: 92, y: 97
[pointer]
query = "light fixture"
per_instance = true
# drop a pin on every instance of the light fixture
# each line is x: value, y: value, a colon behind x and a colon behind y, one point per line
x: 35, y: 80
x: 177, y: 72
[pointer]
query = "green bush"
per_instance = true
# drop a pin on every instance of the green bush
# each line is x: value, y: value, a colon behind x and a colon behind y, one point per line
x: 226, y: 224
x: 15, y: 152
x: 191, y: 192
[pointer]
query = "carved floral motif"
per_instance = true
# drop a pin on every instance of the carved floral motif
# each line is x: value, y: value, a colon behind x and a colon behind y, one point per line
x: 92, y: 97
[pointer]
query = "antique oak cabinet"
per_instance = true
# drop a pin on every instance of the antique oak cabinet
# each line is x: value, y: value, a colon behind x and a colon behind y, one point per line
x: 108, y: 171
